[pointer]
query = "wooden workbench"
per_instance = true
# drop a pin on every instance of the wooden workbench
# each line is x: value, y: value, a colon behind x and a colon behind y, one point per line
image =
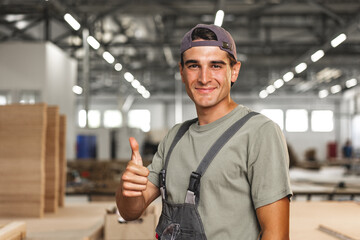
x: 85, y: 221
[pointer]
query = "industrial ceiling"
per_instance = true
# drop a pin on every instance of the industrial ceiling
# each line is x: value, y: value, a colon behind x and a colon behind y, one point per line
x: 272, y: 37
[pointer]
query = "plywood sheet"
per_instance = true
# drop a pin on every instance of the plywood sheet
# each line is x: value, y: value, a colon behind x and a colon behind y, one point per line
x: 52, y: 160
x: 22, y: 159
x: 62, y: 159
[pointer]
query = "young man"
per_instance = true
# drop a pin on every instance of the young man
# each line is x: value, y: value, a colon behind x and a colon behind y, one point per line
x: 243, y: 191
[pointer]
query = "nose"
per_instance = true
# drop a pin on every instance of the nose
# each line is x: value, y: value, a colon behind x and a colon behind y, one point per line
x: 204, y: 76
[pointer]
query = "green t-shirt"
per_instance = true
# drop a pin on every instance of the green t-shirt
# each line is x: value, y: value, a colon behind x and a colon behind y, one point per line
x: 250, y: 171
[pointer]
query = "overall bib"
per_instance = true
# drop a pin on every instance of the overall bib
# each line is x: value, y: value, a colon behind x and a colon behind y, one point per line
x: 182, y: 221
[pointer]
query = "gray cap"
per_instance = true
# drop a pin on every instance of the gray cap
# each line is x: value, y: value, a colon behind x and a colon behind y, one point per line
x: 224, y: 39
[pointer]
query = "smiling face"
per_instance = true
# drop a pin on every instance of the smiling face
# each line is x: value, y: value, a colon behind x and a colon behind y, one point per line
x: 207, y: 76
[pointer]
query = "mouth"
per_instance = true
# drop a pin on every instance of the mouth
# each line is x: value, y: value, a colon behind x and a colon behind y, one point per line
x: 205, y: 90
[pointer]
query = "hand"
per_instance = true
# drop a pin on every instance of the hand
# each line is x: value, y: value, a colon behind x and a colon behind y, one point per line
x: 134, y: 179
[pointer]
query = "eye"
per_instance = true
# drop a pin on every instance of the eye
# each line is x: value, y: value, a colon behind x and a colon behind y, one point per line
x: 216, y: 66
x: 193, y: 66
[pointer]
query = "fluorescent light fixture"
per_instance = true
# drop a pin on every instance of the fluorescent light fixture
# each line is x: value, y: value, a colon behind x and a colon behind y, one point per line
x: 219, y: 18
x: 72, y: 21
x: 338, y: 40
x: 317, y: 55
x: 270, y: 89
x: 146, y: 94
x: 288, y: 76
x: 263, y: 94
x: 278, y: 83
x: 118, y: 67
x: 108, y: 57
x: 128, y: 77
x: 135, y: 83
x: 335, y: 89
x: 351, y: 83
x: 323, y: 93
x: 93, y: 42
x: 301, y: 67
x: 77, y: 89
x: 141, y: 89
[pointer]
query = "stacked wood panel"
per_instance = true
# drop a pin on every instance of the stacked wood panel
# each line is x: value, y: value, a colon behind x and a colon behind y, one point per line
x: 52, y: 160
x: 22, y: 159
x: 62, y: 160
x: 32, y: 160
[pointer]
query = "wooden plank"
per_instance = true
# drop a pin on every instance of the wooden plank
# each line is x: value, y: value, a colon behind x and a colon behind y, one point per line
x: 62, y: 160
x: 13, y: 231
x: 22, y: 160
x: 52, y: 160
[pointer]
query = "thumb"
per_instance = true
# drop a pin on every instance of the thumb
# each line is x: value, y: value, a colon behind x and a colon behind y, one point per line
x: 135, y: 156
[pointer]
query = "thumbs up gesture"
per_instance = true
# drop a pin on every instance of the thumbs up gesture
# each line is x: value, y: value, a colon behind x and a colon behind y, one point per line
x: 134, y: 179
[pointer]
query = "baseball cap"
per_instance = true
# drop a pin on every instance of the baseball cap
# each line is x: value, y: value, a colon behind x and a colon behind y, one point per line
x: 224, y: 40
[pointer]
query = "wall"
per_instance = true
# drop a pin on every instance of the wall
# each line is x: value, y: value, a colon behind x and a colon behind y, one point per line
x: 42, y: 67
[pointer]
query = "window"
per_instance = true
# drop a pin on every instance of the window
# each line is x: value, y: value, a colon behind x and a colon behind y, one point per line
x: 3, y: 100
x: 139, y: 118
x: 277, y: 115
x: 112, y: 118
x: 322, y: 121
x: 93, y: 118
x: 29, y: 97
x: 296, y: 120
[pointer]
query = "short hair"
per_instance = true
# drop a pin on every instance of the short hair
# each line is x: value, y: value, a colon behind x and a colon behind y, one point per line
x: 206, y: 34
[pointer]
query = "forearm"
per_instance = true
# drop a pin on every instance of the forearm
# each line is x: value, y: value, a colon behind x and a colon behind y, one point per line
x: 268, y: 235
x: 130, y: 208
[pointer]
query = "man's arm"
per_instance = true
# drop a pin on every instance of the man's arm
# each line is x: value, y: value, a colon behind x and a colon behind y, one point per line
x: 135, y: 192
x: 274, y: 220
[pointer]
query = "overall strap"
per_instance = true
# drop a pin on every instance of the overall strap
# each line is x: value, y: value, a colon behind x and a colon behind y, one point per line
x: 194, y: 185
x: 182, y: 130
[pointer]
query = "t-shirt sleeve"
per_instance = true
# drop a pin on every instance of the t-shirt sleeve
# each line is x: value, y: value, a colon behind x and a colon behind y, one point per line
x: 158, y: 160
x: 268, y: 165
x: 156, y: 164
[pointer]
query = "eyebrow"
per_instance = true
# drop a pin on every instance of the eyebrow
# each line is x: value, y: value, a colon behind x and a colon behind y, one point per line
x: 212, y: 62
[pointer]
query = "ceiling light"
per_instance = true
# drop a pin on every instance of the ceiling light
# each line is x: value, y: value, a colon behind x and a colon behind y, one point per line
x: 270, y: 89
x: 351, y: 83
x: 118, y: 67
x: 93, y: 42
x: 263, y: 94
x: 108, y: 57
x: 72, y: 21
x: 323, y: 93
x: 288, y: 76
x: 338, y: 40
x: 146, y: 94
x: 77, y: 89
x: 141, y: 89
x: 301, y: 67
x: 317, y: 55
x: 128, y: 77
x: 335, y: 89
x: 219, y: 18
x: 21, y: 24
x: 135, y: 83
x: 278, y: 83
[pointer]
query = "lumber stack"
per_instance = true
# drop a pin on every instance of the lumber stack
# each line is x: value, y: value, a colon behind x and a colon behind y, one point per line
x: 13, y: 231
x: 22, y: 159
x: 62, y: 160
x: 52, y: 160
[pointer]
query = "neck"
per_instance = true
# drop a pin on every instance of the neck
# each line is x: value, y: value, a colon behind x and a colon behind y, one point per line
x: 211, y: 114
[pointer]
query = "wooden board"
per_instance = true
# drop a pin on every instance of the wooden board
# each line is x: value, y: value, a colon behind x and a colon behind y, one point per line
x: 52, y: 160
x: 62, y: 160
x: 22, y: 159
x: 13, y: 231
x: 306, y: 217
x: 75, y: 221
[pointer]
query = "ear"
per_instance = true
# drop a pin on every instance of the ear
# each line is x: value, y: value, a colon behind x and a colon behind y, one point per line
x: 181, y: 68
x: 235, y: 71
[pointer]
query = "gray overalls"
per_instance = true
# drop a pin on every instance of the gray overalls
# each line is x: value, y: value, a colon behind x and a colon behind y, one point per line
x: 182, y: 221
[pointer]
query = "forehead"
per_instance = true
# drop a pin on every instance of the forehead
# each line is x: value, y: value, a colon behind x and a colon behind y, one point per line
x: 211, y: 53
